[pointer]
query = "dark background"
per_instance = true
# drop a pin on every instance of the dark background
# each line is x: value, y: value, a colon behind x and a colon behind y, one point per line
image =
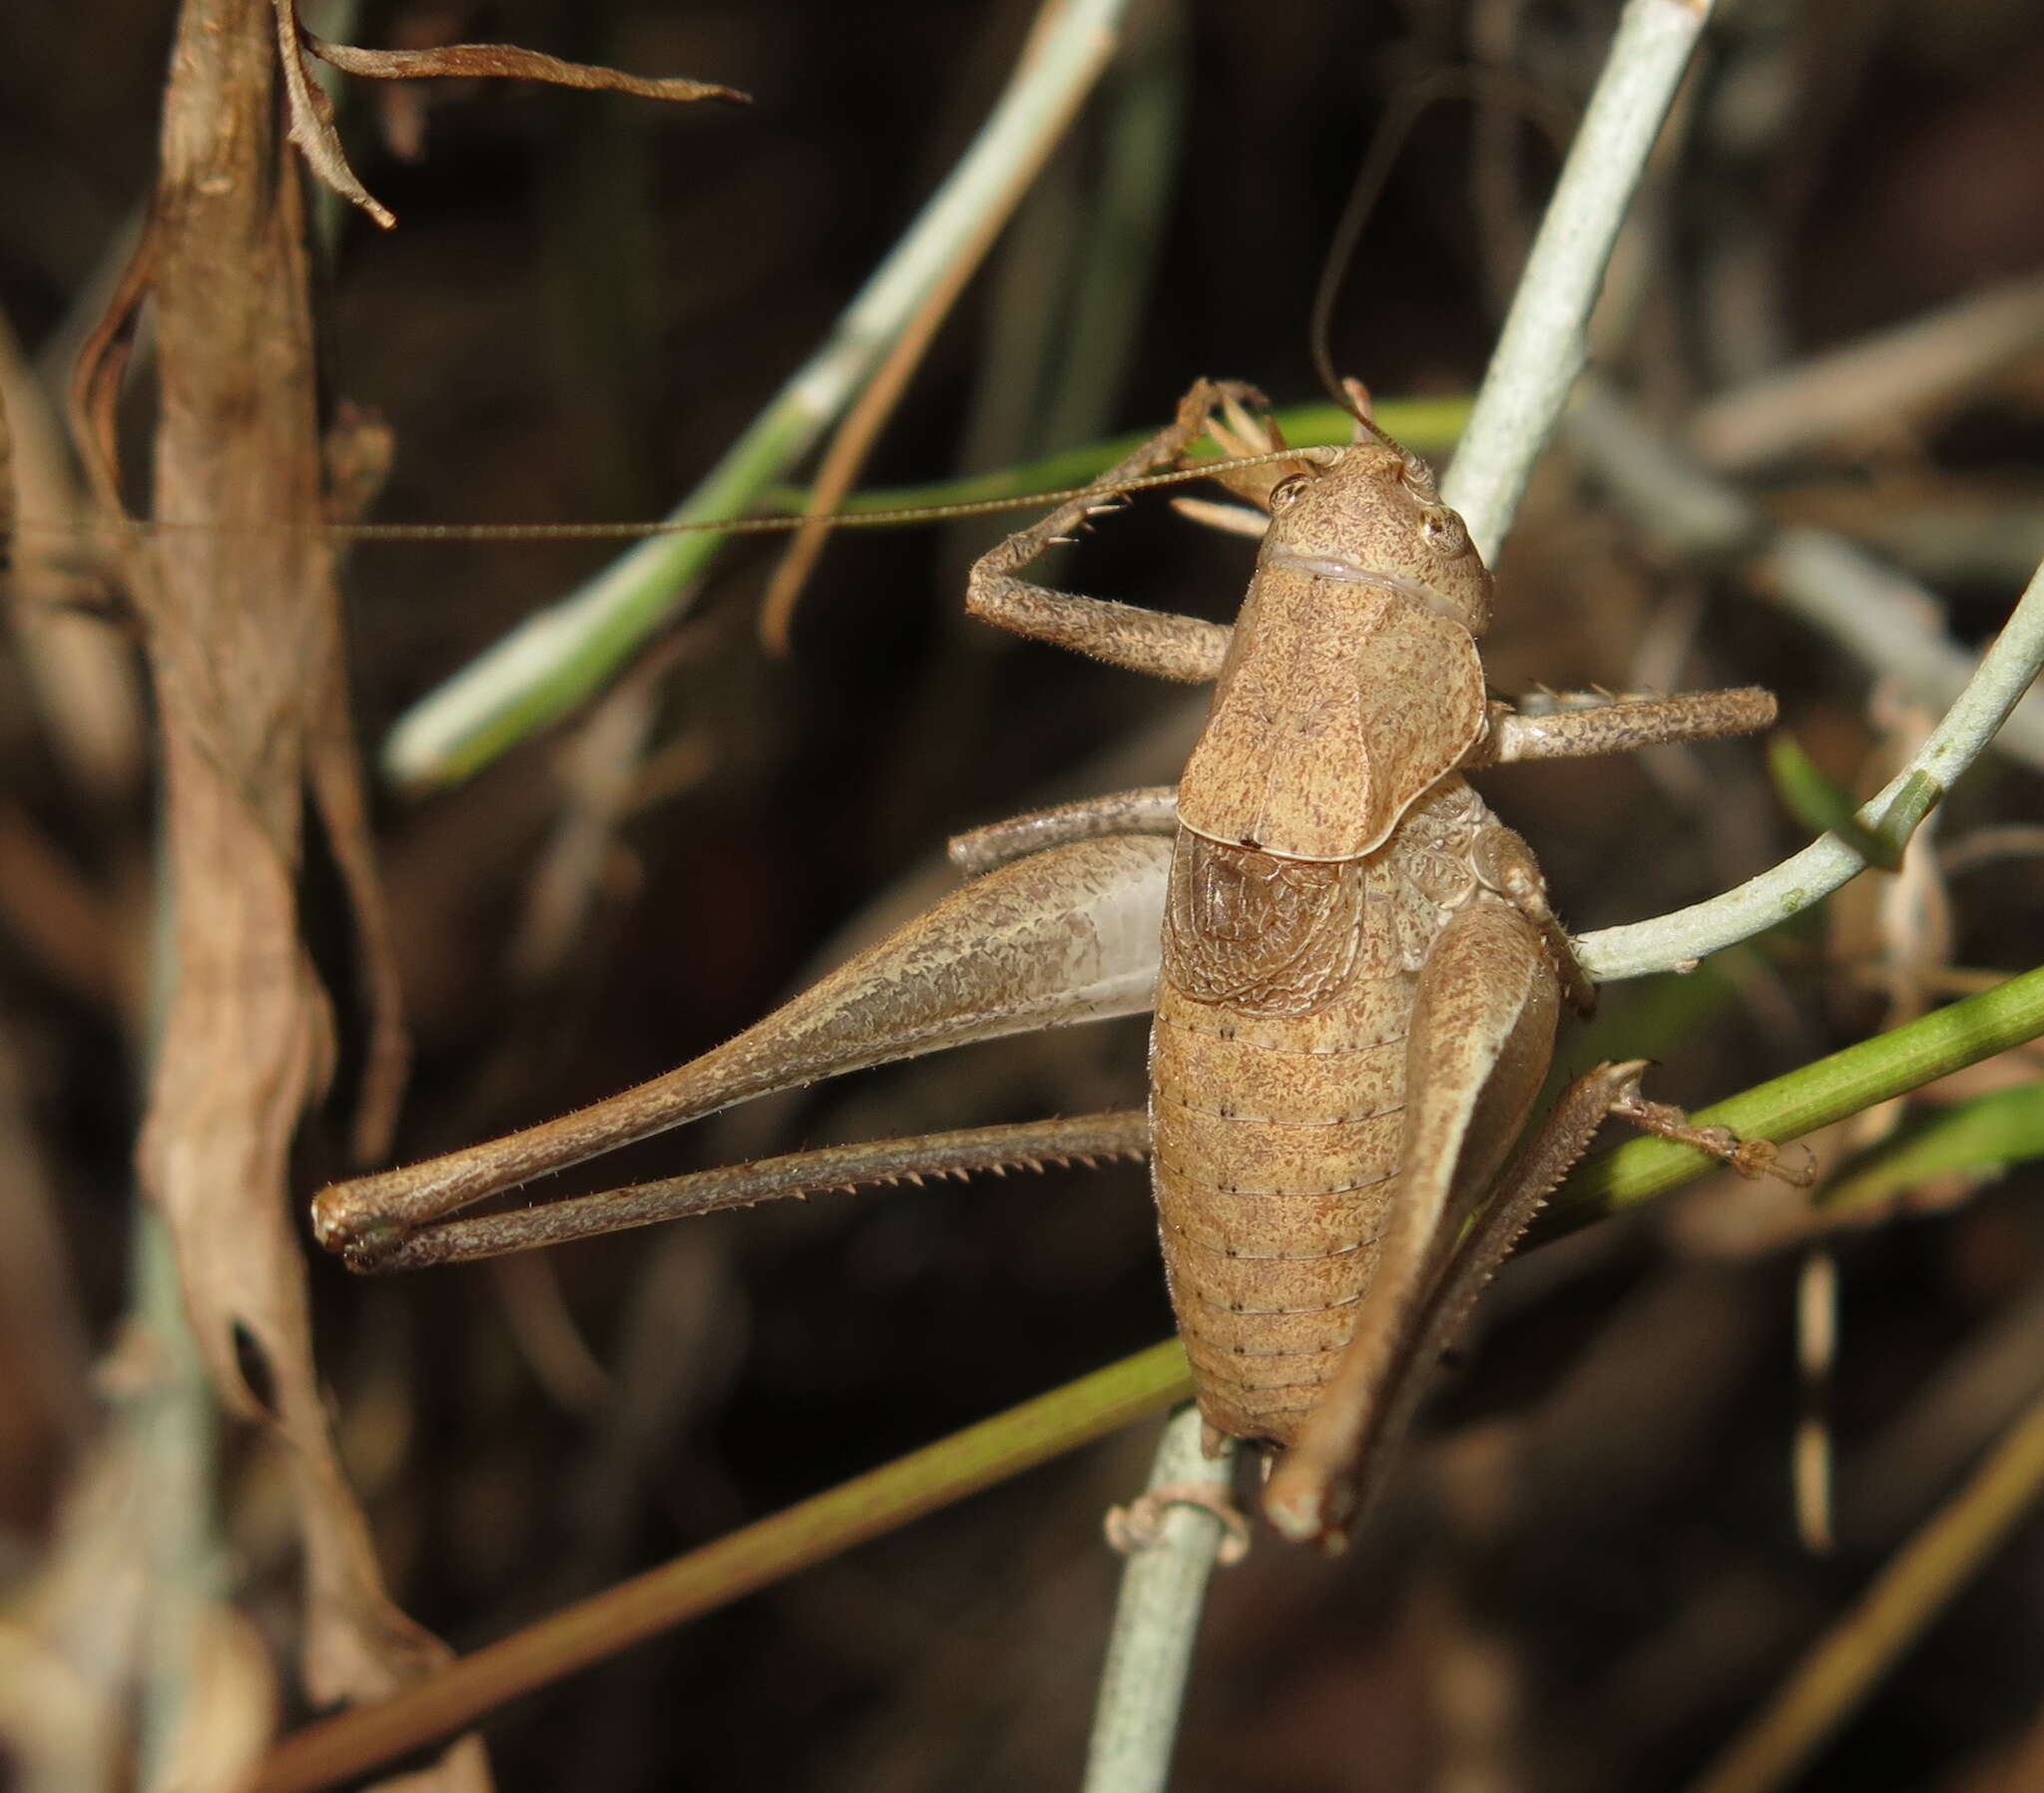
x: 1589, y: 1573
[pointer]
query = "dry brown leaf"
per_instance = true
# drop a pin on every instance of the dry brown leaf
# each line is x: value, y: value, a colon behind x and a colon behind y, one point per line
x: 312, y: 119
x: 231, y: 1715
x: 8, y: 509
x: 69, y: 1644
x: 60, y: 1731
x: 334, y: 770
x: 356, y: 453
x: 312, y: 113
x: 243, y: 633
x: 80, y: 670
x: 509, y: 62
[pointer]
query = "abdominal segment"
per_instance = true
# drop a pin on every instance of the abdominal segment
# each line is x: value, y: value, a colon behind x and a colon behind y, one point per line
x: 1278, y: 1080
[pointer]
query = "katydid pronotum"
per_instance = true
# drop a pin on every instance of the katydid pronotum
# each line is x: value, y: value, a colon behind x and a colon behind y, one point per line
x: 1355, y: 975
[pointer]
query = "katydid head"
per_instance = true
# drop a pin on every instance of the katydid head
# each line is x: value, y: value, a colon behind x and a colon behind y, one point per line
x: 1372, y: 513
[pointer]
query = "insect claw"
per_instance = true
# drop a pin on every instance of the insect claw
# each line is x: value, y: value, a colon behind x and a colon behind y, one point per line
x: 1139, y: 1525
x: 1244, y: 433
x: 1752, y: 1158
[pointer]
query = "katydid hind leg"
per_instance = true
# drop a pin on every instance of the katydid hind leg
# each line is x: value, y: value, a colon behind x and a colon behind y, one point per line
x: 1027, y: 1146
x: 1066, y: 935
x: 1521, y: 1192
x: 1482, y: 1033
x: 1750, y: 1157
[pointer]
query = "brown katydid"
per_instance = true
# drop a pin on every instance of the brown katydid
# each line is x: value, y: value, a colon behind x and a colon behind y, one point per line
x: 1354, y: 971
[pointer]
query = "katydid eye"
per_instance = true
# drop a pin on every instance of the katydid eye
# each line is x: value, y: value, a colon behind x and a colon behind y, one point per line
x: 1444, y: 534
x: 1288, y: 491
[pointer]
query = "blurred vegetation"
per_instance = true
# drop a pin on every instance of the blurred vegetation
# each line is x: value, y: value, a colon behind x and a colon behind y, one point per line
x: 1588, y: 1574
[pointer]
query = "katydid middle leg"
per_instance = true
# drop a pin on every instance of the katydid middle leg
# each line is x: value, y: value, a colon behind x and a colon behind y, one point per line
x: 1576, y: 725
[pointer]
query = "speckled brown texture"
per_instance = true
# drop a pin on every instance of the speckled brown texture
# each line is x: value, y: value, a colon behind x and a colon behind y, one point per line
x: 1341, y: 700
x: 1279, y: 1076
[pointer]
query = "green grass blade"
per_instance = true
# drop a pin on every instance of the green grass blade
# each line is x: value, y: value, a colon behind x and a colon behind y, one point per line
x: 349, y: 1745
x: 1982, y: 1137
x: 1815, y: 1095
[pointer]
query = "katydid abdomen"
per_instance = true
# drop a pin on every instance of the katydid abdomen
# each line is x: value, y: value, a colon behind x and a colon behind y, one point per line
x: 1278, y: 1066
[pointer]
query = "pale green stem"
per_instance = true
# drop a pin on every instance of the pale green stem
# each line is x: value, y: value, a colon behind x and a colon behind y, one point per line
x: 178, y: 1423
x: 1878, y: 615
x: 1156, y: 1620
x: 175, y: 1417
x: 1677, y: 941
x: 1546, y: 333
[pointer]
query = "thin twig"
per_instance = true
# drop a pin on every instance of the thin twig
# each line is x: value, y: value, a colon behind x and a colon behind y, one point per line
x: 867, y: 416
x: 1677, y: 941
x: 1141, y: 1687
x: 556, y: 658
x: 346, y: 1746
x: 1988, y: 845
x: 1970, y: 1399
x: 1876, y: 613
x: 1868, y: 383
x: 1846, y: 1662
